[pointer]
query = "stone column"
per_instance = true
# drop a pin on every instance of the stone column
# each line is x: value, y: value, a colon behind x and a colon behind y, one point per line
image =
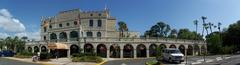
x: 147, y: 53
x: 193, y: 51
x: 68, y: 36
x: 32, y: 49
x: 68, y: 53
x: 108, y: 53
x: 121, y: 53
x: 135, y: 53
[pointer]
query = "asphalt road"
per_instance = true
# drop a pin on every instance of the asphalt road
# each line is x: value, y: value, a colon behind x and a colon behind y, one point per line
x: 191, y: 59
x: 234, y: 60
x: 4, y: 61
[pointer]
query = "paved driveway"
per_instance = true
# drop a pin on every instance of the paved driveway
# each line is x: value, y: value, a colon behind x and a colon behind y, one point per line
x: 4, y: 61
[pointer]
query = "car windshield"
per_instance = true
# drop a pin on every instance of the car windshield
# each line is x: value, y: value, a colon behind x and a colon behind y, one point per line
x: 174, y: 51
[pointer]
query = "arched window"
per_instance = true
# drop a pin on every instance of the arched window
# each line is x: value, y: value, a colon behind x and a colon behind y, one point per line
x: 60, y: 25
x: 99, y: 14
x: 99, y: 34
x: 67, y: 24
x: 44, y: 37
x: 91, y: 23
x: 50, y: 26
x: 45, y: 29
x: 89, y: 34
x: 53, y: 36
x: 75, y: 23
x: 99, y: 23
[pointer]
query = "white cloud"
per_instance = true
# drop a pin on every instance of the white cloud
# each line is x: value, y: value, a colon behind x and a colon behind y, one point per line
x: 8, y: 23
x: 4, y: 35
x: 30, y: 35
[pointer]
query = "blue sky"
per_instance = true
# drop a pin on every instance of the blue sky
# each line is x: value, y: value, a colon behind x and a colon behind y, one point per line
x: 140, y: 15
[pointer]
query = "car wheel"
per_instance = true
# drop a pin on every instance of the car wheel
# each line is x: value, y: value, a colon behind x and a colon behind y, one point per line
x: 170, y: 60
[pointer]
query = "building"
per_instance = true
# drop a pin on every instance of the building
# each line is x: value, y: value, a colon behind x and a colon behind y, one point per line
x: 95, y: 32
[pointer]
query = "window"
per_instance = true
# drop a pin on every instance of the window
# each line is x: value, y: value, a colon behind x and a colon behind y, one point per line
x: 91, y: 14
x: 89, y: 34
x: 99, y: 14
x: 67, y: 24
x: 60, y: 25
x: 44, y: 37
x: 99, y: 23
x: 91, y: 23
x: 50, y: 26
x: 50, y: 21
x: 45, y: 29
x: 99, y: 34
x: 75, y: 22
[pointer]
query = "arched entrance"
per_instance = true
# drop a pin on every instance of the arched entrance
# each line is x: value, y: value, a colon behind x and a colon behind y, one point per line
x: 74, y: 49
x: 190, y: 50
x: 30, y: 49
x: 36, y: 49
x: 141, y: 50
x: 102, y: 50
x: 128, y: 51
x: 196, y: 50
x: 43, y: 49
x: 88, y: 48
x: 152, y: 50
x: 203, y: 50
x: 115, y: 51
x: 182, y: 49
x: 172, y: 46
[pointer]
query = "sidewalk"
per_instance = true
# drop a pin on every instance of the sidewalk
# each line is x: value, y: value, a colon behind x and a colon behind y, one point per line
x: 60, y: 61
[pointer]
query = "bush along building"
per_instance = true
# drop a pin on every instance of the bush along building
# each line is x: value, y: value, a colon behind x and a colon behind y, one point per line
x: 95, y: 32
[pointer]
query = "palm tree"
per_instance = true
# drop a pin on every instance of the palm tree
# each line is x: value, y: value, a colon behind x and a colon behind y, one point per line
x: 210, y: 26
x: 196, y: 24
x: 203, y: 18
x: 206, y: 26
x: 219, y: 24
x: 122, y: 27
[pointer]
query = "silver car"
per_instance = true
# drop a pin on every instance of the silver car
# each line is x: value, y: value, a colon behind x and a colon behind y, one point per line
x: 173, y: 55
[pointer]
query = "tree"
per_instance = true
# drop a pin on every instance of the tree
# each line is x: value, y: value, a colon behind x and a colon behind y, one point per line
x: 196, y: 24
x: 210, y: 26
x: 167, y: 29
x: 173, y: 33
x: 158, y: 30
x: 161, y: 25
x: 122, y: 28
x: 203, y: 19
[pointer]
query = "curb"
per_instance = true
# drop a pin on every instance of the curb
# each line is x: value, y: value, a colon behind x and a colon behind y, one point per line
x: 101, y: 63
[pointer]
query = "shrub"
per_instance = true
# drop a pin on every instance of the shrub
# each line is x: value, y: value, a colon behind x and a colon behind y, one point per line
x: 24, y: 54
x: 87, y: 59
x: 44, y: 56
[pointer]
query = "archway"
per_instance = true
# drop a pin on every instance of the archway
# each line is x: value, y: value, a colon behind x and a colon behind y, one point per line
x: 203, y: 50
x: 152, y: 50
x: 128, y: 51
x: 172, y: 46
x: 43, y: 49
x: 36, y: 49
x: 196, y: 50
x: 190, y: 50
x: 74, y: 35
x: 182, y: 49
x: 115, y: 51
x: 141, y: 50
x: 74, y: 49
x: 30, y: 49
x: 88, y: 48
x: 102, y: 50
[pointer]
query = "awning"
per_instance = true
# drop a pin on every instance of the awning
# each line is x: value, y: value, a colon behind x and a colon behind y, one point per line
x: 57, y: 46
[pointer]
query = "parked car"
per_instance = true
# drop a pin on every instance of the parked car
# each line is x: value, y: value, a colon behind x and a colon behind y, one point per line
x: 7, y: 53
x: 173, y: 55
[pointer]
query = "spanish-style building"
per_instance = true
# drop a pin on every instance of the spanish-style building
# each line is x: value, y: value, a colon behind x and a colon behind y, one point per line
x: 75, y: 31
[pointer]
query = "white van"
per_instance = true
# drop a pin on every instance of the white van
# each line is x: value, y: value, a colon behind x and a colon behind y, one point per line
x: 173, y: 55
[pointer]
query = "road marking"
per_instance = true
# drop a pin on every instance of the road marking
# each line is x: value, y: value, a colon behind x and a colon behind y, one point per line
x: 123, y: 64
